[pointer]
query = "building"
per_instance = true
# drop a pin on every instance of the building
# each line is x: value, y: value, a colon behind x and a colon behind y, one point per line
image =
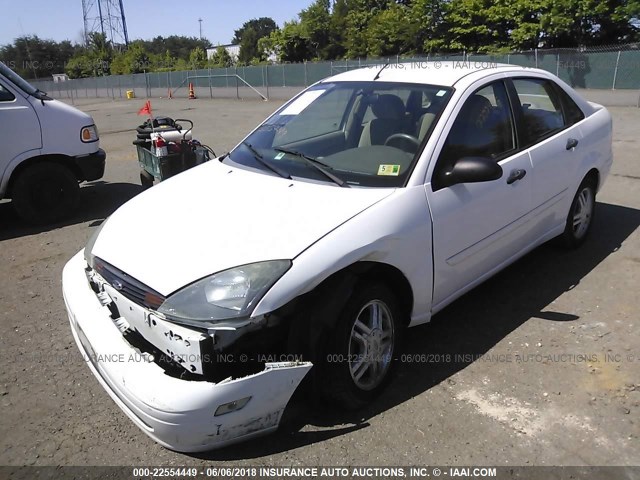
x: 232, y: 50
x: 60, y: 77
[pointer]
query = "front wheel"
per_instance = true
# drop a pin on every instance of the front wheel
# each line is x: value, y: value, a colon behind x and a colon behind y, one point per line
x: 362, y: 348
x: 581, y: 214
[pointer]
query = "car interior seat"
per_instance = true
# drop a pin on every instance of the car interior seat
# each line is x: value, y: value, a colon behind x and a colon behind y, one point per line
x: 390, y: 119
x: 477, y: 128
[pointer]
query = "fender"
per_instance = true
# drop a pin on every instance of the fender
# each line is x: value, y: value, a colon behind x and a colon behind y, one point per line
x: 365, y: 238
x: 13, y: 164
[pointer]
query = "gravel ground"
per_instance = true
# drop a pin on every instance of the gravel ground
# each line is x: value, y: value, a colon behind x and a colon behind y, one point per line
x: 538, y: 366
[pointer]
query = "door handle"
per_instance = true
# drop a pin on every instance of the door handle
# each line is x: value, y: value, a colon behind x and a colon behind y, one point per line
x: 572, y: 143
x: 516, y: 175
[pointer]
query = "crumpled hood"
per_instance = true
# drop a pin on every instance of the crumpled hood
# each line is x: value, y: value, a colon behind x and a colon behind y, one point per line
x: 214, y: 217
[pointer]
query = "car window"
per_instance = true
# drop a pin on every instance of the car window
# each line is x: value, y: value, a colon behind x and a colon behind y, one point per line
x: 322, y: 116
x: 6, y: 95
x: 541, y: 109
x: 367, y: 134
x: 483, y: 128
x: 571, y: 112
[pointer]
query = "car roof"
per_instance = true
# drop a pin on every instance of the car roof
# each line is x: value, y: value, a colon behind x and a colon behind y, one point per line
x: 429, y: 72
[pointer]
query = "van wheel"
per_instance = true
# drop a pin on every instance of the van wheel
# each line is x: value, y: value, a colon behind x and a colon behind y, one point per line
x: 361, y: 350
x: 581, y: 214
x: 45, y: 193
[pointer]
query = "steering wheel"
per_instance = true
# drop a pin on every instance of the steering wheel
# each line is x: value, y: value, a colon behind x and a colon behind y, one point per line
x: 403, y: 141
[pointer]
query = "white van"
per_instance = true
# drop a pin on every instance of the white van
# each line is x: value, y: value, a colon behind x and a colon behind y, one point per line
x: 47, y: 149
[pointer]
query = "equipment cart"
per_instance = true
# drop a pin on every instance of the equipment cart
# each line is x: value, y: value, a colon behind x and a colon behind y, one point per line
x: 173, y: 157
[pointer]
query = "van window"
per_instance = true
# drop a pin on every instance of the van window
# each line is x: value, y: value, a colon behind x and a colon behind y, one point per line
x: 17, y: 80
x: 6, y: 95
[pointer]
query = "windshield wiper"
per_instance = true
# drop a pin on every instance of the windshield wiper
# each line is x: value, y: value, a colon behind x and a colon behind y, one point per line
x: 258, y: 156
x: 317, y: 164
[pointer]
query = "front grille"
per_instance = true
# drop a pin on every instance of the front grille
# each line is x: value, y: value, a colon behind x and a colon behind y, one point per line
x: 131, y: 288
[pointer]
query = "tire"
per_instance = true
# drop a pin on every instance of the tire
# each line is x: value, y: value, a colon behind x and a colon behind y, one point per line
x: 45, y: 193
x: 359, y: 359
x: 581, y: 215
x: 146, y: 179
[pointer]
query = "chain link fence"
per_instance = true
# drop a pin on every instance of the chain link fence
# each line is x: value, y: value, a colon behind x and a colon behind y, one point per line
x: 612, y: 68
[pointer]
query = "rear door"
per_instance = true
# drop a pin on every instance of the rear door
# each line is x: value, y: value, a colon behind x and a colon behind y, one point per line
x: 477, y: 227
x: 20, y: 130
x: 548, y: 119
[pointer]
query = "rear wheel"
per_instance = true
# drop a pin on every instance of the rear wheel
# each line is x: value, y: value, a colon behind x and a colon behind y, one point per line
x: 360, y: 353
x: 581, y: 214
x: 45, y: 193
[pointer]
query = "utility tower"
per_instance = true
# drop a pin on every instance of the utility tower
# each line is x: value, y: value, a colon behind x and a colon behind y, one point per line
x: 105, y: 17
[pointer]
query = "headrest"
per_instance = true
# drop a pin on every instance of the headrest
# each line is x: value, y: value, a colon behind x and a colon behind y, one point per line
x: 388, y: 107
x: 477, y: 110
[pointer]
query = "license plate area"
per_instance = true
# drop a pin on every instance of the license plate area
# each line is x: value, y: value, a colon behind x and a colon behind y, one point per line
x: 180, y: 344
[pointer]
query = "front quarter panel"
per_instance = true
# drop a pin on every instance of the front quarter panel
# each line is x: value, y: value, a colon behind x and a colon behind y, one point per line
x: 395, y: 231
x: 61, y: 125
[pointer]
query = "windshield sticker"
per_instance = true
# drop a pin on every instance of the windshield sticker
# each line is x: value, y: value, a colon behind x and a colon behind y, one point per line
x: 302, y: 102
x: 389, y: 170
x: 441, y: 93
x: 279, y: 156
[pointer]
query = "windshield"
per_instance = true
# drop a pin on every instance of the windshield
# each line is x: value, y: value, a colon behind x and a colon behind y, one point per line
x: 17, y: 80
x: 365, y: 134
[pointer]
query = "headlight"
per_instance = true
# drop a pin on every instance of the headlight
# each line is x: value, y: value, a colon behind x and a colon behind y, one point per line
x: 89, y: 134
x: 228, y: 294
x: 88, y: 254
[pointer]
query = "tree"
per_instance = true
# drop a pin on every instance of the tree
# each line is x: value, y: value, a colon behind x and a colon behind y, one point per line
x: 316, y: 26
x: 429, y: 26
x: 248, y: 46
x: 337, y: 29
x: 221, y: 58
x: 292, y: 43
x: 248, y: 36
x: 387, y: 32
x: 32, y: 57
x: 197, y: 58
x: 93, y: 61
x: 133, y: 60
x: 177, y: 46
x: 262, y: 26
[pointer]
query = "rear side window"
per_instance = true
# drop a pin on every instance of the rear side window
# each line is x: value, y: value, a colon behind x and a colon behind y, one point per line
x: 6, y: 95
x: 541, y: 109
x: 546, y: 109
x: 572, y: 113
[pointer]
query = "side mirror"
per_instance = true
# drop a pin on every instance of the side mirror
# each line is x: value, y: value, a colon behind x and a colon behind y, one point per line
x: 472, y: 170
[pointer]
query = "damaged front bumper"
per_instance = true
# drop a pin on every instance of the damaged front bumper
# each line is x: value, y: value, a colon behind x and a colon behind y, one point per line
x: 183, y: 415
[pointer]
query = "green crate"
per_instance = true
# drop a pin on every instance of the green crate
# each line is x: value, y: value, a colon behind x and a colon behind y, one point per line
x: 167, y: 166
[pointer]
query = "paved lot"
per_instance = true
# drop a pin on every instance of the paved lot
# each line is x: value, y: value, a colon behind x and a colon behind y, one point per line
x: 539, y: 366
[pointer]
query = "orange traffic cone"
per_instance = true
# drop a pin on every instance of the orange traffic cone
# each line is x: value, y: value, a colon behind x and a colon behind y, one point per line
x: 192, y: 93
x: 170, y: 94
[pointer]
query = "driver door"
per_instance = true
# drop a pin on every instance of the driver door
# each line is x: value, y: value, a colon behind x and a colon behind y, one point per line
x: 477, y: 227
x: 20, y: 130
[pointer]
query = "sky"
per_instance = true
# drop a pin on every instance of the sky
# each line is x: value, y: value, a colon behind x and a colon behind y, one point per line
x: 62, y: 19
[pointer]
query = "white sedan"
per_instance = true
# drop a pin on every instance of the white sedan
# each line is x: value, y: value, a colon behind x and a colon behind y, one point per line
x: 362, y: 207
